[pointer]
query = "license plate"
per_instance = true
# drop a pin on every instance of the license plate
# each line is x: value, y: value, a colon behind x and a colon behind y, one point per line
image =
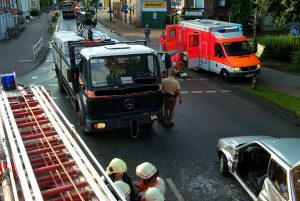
x: 249, y: 75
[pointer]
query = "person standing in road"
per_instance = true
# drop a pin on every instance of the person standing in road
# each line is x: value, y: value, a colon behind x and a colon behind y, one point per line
x: 163, y: 42
x: 171, y: 89
x: 147, y: 32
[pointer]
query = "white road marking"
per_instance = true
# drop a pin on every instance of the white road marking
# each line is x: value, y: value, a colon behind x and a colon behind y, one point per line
x: 211, y: 92
x: 174, y: 189
x: 197, y: 92
x: 67, y: 97
x: 191, y: 79
x: 25, y: 60
x: 48, y: 60
x: 225, y: 91
x: 53, y: 85
x: 179, y: 80
x: 55, y: 98
x: 31, y: 85
x: 203, y: 79
x: 184, y: 92
x: 34, y: 77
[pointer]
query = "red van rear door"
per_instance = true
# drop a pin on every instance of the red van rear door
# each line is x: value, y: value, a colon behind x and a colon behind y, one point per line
x: 173, y: 38
x: 193, y: 49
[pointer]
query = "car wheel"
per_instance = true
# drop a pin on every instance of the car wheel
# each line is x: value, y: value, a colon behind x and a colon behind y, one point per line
x: 224, y: 170
x: 225, y: 75
x: 60, y: 84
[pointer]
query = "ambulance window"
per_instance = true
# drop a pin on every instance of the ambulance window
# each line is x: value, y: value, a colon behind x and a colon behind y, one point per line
x: 194, y: 41
x: 218, y: 50
x: 172, y: 33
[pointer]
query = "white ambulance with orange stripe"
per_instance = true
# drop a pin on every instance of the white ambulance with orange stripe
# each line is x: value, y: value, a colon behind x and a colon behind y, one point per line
x: 215, y: 46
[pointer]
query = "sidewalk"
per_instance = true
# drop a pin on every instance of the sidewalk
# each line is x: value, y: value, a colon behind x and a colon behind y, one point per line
x: 16, y: 54
x: 276, y: 80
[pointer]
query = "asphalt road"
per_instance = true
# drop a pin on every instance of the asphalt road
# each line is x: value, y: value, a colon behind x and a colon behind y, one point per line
x: 186, y: 153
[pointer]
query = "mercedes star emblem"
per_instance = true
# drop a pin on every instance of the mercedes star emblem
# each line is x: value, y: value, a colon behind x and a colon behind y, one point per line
x: 128, y: 104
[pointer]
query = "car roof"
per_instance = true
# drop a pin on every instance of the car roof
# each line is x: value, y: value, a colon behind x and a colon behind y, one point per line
x: 287, y: 149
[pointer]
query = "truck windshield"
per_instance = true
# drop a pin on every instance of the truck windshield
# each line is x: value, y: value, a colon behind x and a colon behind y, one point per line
x: 115, y: 71
x: 67, y: 7
x: 237, y: 48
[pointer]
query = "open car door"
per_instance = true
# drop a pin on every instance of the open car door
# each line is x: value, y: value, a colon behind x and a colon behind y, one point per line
x: 173, y: 38
x: 296, y: 180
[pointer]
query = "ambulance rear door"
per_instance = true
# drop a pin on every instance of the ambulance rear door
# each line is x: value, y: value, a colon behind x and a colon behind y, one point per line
x: 193, y: 49
x: 173, y: 38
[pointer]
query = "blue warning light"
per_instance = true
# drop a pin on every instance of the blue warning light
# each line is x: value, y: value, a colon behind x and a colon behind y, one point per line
x: 8, y: 82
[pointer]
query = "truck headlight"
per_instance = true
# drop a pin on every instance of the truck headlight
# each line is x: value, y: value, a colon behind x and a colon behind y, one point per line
x: 99, y: 125
x: 153, y: 117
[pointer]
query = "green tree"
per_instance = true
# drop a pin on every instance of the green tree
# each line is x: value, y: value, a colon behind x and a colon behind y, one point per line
x: 241, y: 10
x: 281, y: 11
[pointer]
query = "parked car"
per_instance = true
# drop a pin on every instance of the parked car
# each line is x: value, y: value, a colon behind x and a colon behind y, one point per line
x: 267, y: 168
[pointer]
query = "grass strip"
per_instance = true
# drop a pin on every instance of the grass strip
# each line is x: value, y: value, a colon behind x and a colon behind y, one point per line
x: 288, y: 102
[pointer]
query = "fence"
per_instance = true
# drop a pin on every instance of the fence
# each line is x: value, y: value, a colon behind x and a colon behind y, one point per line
x: 37, y: 47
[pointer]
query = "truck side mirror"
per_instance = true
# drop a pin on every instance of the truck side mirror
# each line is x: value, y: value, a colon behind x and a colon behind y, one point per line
x: 168, y: 61
x: 70, y: 74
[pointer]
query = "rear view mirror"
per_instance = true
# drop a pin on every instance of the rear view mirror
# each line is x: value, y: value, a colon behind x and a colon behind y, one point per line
x: 70, y: 75
x: 168, y: 61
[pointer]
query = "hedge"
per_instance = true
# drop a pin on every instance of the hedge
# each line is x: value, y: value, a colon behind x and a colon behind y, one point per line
x: 278, y: 47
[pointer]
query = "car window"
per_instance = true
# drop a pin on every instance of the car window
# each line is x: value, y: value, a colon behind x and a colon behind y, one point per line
x: 278, y: 177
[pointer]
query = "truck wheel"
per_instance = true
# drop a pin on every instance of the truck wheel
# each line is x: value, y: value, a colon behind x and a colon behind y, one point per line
x: 81, y: 120
x: 225, y: 75
x: 224, y: 170
x: 60, y: 84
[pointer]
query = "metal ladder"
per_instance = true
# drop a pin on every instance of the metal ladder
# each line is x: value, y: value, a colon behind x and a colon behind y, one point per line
x: 51, y: 160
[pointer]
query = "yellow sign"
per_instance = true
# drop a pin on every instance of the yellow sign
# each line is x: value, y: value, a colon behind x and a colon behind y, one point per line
x: 154, y: 4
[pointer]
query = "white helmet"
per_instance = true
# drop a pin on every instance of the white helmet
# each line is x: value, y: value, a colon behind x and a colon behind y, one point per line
x: 183, y: 75
x: 153, y: 194
x: 145, y: 170
x: 116, y: 166
x: 124, y: 188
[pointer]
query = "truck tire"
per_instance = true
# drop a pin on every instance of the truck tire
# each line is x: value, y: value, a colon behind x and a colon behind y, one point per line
x: 224, y: 170
x: 225, y: 75
x: 81, y: 120
x: 60, y: 84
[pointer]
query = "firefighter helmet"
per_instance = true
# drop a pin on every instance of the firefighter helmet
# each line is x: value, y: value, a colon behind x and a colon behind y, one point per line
x: 125, y: 188
x: 116, y: 166
x: 153, y: 194
x: 145, y: 170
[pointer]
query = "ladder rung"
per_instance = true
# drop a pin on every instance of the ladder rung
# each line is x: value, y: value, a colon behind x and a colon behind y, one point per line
x: 49, y: 168
x: 50, y: 183
x: 30, y: 119
x: 33, y: 123
x: 36, y: 145
x: 39, y: 135
x: 35, y: 131
x: 47, y: 158
x: 22, y: 105
x: 45, y: 150
x: 74, y: 196
x: 61, y: 189
x: 20, y: 114
x: 56, y: 176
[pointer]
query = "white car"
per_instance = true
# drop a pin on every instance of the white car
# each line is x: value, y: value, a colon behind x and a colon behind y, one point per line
x: 267, y: 168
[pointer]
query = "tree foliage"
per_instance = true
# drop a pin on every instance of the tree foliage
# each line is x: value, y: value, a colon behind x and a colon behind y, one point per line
x: 241, y: 10
x: 281, y: 11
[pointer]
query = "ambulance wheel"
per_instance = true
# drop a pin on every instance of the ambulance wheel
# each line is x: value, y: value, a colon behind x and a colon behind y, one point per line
x: 225, y: 75
x: 60, y: 84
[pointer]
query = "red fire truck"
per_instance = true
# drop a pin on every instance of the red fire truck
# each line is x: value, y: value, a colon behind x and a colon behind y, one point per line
x: 69, y: 9
x: 215, y: 46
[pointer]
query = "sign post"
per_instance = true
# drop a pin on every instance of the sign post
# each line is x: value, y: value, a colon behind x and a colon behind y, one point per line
x: 294, y: 32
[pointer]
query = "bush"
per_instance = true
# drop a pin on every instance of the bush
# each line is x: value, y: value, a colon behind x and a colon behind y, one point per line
x: 296, y: 59
x: 277, y: 47
x: 34, y: 12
